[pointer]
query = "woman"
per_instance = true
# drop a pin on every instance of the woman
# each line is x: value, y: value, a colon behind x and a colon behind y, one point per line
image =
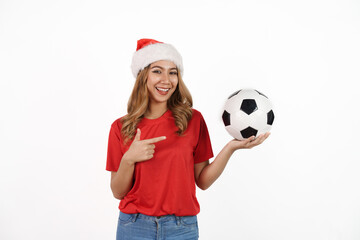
x: 161, y: 149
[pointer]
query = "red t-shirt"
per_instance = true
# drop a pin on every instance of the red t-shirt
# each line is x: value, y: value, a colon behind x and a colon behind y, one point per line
x: 165, y: 184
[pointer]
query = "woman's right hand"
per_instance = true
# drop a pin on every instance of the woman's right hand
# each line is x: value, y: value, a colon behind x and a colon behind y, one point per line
x: 141, y: 150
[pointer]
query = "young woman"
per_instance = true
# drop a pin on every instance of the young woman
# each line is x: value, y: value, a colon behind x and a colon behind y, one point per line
x: 161, y: 149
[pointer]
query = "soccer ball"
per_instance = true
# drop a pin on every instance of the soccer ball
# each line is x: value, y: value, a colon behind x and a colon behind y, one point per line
x: 247, y: 113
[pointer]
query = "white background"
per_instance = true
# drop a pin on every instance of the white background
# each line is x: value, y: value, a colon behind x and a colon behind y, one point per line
x: 65, y: 77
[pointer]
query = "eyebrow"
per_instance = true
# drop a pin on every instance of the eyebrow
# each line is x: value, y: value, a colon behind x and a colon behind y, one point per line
x: 163, y: 68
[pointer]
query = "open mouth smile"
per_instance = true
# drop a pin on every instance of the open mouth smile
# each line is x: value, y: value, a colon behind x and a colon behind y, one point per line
x: 162, y: 89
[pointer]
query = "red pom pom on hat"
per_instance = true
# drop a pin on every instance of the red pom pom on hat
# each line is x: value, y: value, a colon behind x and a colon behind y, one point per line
x: 150, y: 50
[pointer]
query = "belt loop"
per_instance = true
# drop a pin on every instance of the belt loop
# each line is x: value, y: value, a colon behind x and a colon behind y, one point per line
x: 135, y: 216
x: 177, y: 220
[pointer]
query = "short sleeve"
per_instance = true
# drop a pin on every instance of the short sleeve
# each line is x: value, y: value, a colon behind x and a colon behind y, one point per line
x: 115, y: 149
x: 203, y: 150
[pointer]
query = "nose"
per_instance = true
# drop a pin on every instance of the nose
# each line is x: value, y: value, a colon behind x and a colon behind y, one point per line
x: 165, y: 78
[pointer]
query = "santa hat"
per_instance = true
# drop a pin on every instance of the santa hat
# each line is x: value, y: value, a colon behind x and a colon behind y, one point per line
x: 150, y: 50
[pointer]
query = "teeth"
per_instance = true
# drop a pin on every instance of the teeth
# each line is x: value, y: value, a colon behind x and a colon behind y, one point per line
x: 163, y: 89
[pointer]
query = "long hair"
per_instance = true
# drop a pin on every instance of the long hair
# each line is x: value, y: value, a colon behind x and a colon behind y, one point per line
x: 180, y: 104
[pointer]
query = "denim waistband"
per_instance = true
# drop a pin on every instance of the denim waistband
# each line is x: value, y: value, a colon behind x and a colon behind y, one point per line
x: 164, y: 218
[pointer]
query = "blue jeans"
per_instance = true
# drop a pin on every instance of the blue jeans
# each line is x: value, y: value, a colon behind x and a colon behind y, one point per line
x: 169, y: 227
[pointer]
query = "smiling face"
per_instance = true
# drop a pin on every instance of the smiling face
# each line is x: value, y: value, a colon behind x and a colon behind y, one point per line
x: 162, y: 81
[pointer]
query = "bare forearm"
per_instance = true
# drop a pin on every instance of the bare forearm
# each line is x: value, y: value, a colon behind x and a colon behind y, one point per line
x: 212, y: 171
x: 139, y: 151
x: 122, y: 182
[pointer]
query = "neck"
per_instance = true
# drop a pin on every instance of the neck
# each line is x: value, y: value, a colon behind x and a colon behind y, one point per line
x: 156, y: 111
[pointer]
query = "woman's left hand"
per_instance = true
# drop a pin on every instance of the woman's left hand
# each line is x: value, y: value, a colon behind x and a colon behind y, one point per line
x: 248, y: 143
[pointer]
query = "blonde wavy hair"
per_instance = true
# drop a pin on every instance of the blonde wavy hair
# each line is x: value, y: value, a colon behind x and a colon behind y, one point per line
x: 180, y: 104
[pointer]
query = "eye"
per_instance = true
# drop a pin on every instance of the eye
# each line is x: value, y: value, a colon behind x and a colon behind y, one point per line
x: 156, y: 71
x: 173, y: 73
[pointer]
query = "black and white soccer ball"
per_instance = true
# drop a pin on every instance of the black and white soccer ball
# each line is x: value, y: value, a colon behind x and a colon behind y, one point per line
x: 247, y: 113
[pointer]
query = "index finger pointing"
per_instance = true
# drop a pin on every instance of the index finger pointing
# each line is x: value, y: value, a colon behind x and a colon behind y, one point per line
x: 154, y: 140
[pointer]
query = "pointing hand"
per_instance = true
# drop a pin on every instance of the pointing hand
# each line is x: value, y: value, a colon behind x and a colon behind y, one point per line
x: 141, y: 150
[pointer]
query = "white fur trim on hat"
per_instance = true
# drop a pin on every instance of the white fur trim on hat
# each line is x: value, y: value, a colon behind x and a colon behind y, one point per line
x: 155, y: 52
